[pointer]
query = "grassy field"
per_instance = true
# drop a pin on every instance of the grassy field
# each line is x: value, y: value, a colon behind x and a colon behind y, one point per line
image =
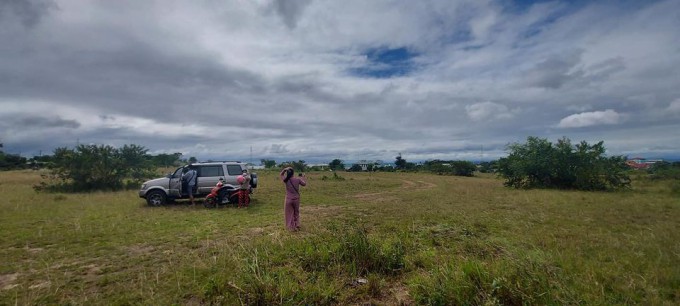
x: 380, y: 238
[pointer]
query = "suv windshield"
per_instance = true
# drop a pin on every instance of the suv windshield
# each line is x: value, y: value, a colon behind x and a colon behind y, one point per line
x: 178, y: 172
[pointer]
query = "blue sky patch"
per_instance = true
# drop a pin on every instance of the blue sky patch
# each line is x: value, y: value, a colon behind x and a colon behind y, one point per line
x: 386, y: 63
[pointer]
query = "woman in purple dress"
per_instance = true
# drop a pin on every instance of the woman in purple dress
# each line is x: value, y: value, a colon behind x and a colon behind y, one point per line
x: 291, y: 207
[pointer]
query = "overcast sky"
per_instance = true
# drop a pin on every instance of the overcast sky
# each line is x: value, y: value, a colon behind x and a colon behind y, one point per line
x: 352, y: 79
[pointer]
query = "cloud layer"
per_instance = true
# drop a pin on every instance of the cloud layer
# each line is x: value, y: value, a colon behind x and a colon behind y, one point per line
x: 318, y: 80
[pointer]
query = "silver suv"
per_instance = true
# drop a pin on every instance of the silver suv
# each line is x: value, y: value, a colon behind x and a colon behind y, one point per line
x: 159, y: 191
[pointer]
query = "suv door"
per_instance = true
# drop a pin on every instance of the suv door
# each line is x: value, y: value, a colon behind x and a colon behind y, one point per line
x: 175, y: 186
x: 208, y: 175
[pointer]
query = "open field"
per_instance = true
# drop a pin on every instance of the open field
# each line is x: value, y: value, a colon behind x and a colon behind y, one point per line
x: 381, y: 238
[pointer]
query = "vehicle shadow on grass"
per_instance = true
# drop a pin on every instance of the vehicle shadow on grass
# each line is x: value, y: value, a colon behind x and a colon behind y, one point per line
x: 186, y: 205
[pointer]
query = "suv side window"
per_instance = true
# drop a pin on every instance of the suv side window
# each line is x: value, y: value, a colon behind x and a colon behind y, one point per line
x: 209, y: 171
x: 234, y: 170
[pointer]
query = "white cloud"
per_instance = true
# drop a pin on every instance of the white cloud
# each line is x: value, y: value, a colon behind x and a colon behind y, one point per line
x: 607, y: 117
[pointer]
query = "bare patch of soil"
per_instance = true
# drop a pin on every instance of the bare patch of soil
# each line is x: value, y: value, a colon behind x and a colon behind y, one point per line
x: 401, y: 295
x: 140, y: 249
x: 7, y: 281
x: 427, y: 185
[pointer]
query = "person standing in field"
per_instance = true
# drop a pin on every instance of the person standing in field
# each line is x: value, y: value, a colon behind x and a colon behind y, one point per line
x: 291, y: 208
x: 244, y: 188
x: 190, y: 178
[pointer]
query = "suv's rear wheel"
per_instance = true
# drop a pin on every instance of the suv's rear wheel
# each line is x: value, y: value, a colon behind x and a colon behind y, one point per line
x: 156, y: 198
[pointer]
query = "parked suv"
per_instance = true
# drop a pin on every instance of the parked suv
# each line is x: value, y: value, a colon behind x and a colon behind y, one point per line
x: 159, y: 191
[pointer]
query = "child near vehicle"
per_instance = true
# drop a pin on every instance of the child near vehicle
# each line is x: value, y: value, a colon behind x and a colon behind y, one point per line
x: 244, y: 189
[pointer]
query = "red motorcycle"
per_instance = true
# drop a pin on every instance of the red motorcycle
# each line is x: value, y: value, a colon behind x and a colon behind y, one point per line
x: 222, y: 194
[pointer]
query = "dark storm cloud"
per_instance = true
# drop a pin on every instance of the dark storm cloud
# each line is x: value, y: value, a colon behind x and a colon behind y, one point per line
x: 554, y: 72
x: 47, y: 122
x: 28, y: 12
x: 290, y: 10
x: 138, y: 78
x: 21, y: 122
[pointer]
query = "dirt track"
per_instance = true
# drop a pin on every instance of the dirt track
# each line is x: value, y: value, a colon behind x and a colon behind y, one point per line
x: 390, y: 194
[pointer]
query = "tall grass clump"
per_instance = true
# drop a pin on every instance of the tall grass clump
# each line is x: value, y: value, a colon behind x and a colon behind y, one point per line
x: 364, y: 256
x: 308, y: 270
x: 474, y: 282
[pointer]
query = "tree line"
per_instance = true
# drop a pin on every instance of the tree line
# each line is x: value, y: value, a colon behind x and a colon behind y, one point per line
x: 537, y: 163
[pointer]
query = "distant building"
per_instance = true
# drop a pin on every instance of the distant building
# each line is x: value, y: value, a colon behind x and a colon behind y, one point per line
x: 641, y: 163
x: 367, y: 165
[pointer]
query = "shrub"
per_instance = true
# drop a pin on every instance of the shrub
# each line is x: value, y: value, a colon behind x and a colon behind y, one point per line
x: 335, y: 177
x: 11, y: 161
x: 540, y: 164
x: 96, y: 167
x: 451, y: 167
x: 665, y: 170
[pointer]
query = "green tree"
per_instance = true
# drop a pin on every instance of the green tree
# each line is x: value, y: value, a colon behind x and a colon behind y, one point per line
x: 299, y: 166
x: 450, y: 167
x: 268, y: 163
x: 399, y: 162
x: 167, y: 160
x: 11, y: 161
x: 488, y: 167
x: 540, y: 164
x: 336, y: 164
x: 355, y: 168
x: 135, y: 161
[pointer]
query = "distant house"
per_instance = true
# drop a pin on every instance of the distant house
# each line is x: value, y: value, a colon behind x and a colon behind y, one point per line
x: 641, y: 163
x: 367, y: 165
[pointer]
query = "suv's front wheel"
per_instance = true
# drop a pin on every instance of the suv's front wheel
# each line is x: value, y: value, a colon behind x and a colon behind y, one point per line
x: 156, y: 198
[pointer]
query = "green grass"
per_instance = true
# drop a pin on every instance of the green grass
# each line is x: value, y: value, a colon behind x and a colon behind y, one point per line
x: 381, y: 238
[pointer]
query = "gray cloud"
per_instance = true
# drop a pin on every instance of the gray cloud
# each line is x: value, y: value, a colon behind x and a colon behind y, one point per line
x: 290, y: 10
x: 213, y: 79
x: 49, y: 122
x: 554, y: 72
x: 28, y: 12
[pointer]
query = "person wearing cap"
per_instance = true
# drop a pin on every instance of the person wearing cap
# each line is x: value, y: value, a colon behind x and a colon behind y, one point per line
x: 244, y: 189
